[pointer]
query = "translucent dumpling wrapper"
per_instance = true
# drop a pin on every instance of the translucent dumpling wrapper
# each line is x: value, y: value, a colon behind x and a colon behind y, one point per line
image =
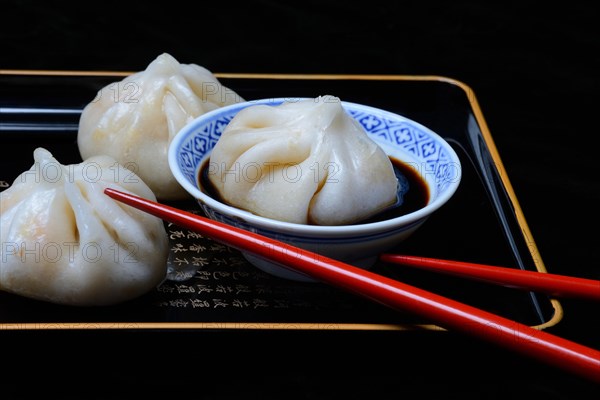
x: 64, y: 241
x: 135, y: 120
x: 306, y: 162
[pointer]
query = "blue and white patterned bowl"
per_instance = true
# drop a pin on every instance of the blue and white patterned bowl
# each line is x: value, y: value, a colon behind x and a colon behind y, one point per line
x: 358, y: 244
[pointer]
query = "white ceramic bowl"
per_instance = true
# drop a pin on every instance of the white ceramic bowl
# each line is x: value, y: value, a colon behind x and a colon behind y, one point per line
x: 360, y: 244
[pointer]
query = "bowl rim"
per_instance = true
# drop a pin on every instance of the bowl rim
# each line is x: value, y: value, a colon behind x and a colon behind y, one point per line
x: 298, y: 229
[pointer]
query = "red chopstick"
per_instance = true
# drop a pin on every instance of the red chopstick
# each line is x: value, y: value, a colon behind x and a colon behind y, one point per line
x: 555, y: 285
x: 447, y: 313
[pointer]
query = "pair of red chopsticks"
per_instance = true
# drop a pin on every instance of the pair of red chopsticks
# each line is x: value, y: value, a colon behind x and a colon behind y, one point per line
x: 447, y: 313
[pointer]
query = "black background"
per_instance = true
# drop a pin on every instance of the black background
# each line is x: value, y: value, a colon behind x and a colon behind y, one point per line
x: 534, y: 69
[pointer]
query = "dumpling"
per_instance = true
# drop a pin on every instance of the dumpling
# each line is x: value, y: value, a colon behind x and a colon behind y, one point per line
x: 64, y: 241
x: 135, y: 120
x: 306, y: 162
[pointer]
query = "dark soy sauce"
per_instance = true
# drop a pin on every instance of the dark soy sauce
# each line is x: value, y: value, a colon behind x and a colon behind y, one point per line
x: 413, y: 192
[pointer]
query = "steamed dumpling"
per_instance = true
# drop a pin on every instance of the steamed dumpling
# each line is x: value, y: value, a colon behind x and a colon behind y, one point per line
x: 302, y: 162
x: 65, y: 241
x: 135, y: 120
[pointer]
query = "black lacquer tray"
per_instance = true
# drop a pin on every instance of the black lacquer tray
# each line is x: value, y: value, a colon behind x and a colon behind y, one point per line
x: 482, y: 222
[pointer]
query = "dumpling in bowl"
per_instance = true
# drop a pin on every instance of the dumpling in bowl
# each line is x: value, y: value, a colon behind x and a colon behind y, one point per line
x: 135, y: 120
x: 64, y: 241
x: 306, y: 162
